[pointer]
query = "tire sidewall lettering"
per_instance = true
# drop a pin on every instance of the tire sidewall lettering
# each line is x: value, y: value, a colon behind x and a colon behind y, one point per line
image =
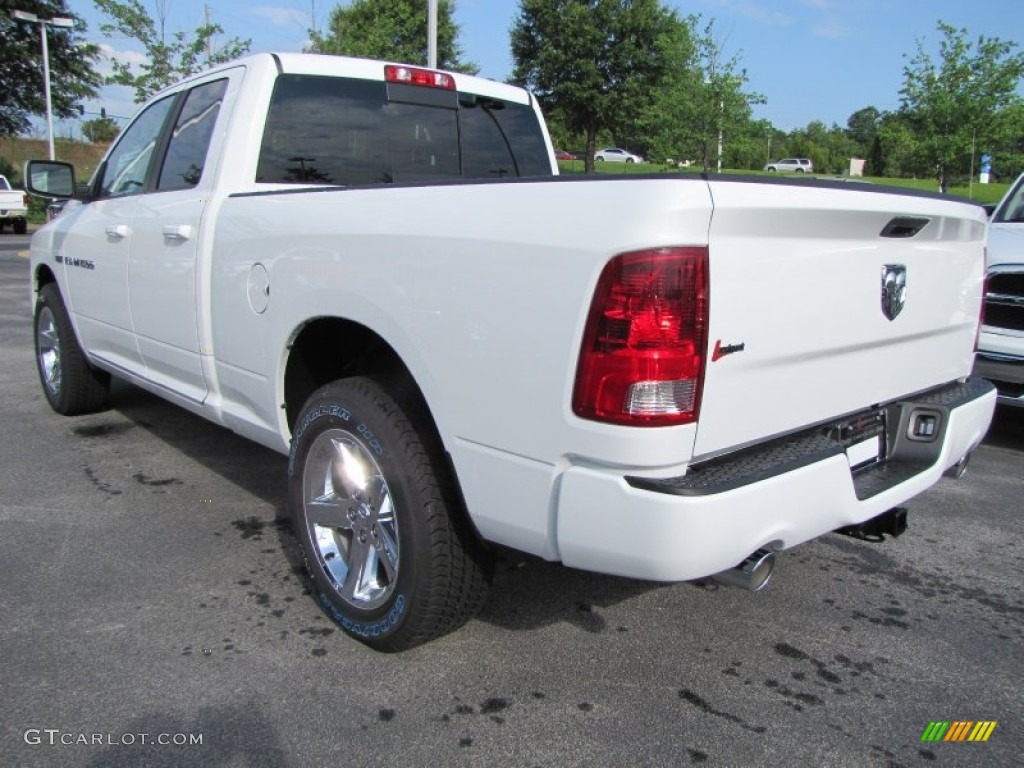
x: 330, y: 411
x: 376, y: 629
x: 337, y: 412
x: 370, y: 440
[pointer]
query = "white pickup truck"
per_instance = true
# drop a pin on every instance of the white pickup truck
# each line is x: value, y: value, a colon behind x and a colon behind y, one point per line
x: 1001, y: 346
x: 374, y: 269
x: 13, y: 208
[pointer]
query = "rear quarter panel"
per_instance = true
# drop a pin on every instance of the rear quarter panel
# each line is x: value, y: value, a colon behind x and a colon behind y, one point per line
x: 482, y: 289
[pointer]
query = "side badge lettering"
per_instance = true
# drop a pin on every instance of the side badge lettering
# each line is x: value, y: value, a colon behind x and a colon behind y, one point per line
x: 73, y: 262
x: 720, y: 351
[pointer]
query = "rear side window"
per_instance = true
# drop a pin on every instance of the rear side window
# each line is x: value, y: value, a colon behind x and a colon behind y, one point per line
x: 326, y: 130
x: 186, y: 152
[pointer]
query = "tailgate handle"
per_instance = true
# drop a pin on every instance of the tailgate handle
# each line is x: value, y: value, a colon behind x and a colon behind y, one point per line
x: 904, y: 226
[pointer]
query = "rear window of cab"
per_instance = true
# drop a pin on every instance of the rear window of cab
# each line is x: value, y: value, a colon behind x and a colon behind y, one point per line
x: 344, y: 131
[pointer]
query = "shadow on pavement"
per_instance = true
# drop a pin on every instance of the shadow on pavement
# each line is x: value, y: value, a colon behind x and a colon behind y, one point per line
x: 1007, y: 430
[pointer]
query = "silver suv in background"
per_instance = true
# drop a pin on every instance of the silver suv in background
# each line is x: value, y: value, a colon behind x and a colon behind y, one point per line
x: 1001, y: 344
x: 794, y: 164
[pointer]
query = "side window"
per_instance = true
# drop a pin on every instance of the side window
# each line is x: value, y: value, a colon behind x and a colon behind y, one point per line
x: 186, y: 152
x: 128, y: 165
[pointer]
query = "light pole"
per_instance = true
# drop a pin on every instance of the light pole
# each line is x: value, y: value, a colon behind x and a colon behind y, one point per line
x: 432, y: 34
x: 721, y: 116
x: 717, y: 87
x: 57, y: 21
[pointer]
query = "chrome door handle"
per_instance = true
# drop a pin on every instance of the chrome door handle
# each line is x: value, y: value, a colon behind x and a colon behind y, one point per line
x: 177, y: 231
x: 118, y: 231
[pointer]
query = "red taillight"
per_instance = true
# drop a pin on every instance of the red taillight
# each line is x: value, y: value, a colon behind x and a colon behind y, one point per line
x: 416, y: 76
x: 642, y: 361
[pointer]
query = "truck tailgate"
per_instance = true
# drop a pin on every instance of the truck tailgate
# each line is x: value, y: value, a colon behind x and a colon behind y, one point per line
x: 802, y: 326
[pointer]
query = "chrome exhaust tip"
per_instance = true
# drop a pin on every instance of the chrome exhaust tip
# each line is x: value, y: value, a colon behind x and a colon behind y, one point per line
x: 959, y: 469
x: 752, y: 574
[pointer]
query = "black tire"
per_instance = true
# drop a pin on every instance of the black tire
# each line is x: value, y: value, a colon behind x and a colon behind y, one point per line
x: 598, y: 159
x: 20, y: 226
x: 70, y: 384
x: 799, y: 170
x: 772, y: 170
x: 629, y: 160
x: 368, y: 483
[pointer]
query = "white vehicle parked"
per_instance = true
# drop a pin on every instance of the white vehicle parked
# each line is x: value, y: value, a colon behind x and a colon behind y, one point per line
x: 1001, y: 344
x: 13, y: 208
x: 792, y: 164
x: 617, y: 156
x: 374, y: 269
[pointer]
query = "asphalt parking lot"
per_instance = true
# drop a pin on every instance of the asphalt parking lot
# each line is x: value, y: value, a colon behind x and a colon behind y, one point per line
x: 151, y: 593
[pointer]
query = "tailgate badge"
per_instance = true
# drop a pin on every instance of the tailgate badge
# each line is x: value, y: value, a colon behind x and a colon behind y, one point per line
x: 721, y: 351
x: 894, y: 289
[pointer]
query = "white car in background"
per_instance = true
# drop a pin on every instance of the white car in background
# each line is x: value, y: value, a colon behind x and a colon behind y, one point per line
x: 794, y: 164
x: 1001, y: 344
x: 617, y: 156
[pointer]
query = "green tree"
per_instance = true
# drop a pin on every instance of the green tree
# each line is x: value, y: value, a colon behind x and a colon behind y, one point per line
x: 595, y: 64
x: 1008, y: 153
x: 8, y: 171
x: 895, y: 150
x: 703, y: 100
x: 72, y: 76
x: 861, y: 128
x: 954, y: 104
x: 395, y: 30
x: 100, y: 130
x: 673, y: 119
x: 748, y: 145
x: 169, y: 58
x: 724, y: 108
x: 830, y: 148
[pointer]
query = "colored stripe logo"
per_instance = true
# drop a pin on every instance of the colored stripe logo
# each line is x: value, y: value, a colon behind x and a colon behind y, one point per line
x: 959, y: 730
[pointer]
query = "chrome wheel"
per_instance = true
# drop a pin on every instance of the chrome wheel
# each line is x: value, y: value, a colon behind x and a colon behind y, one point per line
x: 350, y: 517
x: 48, y: 346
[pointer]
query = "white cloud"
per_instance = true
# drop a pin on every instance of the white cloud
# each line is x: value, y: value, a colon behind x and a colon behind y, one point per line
x: 832, y: 30
x: 754, y: 11
x: 109, y: 54
x: 762, y: 14
x: 283, y: 17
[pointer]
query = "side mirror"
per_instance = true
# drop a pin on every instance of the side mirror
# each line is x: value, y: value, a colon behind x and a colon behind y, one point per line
x: 990, y: 208
x: 48, y: 178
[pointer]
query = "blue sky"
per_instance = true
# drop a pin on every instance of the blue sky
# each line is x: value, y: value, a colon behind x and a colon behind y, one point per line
x: 811, y: 59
